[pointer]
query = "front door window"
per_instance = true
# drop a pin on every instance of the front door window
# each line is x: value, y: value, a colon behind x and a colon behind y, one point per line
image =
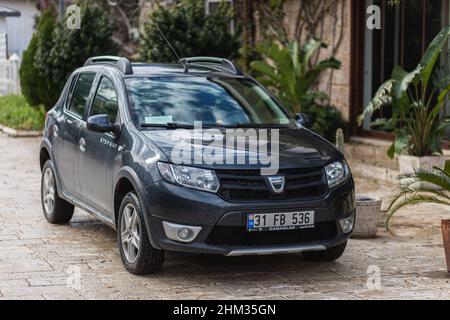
x: 105, y: 101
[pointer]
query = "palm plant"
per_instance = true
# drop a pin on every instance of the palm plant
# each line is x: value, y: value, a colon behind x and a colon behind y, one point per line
x: 416, y: 104
x: 422, y: 186
x: 290, y: 71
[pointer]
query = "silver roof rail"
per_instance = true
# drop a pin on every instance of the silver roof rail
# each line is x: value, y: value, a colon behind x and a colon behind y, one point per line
x: 211, y: 62
x: 123, y: 64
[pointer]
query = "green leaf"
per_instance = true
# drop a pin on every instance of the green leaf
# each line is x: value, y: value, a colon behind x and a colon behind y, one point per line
x: 265, y: 69
x: 432, y: 54
x: 401, y: 143
x: 447, y: 167
x: 391, y: 151
x: 384, y: 124
x: 413, y: 199
x: 309, y: 49
x: 382, y: 97
x: 403, y: 80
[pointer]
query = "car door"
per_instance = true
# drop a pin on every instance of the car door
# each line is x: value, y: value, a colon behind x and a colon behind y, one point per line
x: 68, y: 129
x: 97, y: 159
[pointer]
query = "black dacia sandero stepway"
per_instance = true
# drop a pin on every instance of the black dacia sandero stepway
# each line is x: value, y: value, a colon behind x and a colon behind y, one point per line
x: 109, y: 148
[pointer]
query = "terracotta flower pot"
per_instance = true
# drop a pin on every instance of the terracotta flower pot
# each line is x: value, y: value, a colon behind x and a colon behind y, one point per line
x: 446, y: 236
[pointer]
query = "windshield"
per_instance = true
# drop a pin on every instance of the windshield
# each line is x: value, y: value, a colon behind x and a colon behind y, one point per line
x: 212, y: 101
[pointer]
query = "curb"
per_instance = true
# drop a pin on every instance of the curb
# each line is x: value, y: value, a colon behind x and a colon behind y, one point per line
x: 10, y: 132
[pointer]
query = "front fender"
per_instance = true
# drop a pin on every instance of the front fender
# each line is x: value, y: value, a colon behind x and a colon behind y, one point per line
x: 131, y: 175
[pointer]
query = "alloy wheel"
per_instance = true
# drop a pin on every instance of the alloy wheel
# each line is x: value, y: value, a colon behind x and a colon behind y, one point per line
x: 130, y: 231
x: 48, y: 191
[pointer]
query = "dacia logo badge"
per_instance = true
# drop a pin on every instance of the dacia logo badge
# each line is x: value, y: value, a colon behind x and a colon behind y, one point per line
x: 277, y: 184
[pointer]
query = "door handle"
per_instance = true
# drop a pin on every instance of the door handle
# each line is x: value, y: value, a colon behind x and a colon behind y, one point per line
x: 82, y: 145
x: 55, y: 131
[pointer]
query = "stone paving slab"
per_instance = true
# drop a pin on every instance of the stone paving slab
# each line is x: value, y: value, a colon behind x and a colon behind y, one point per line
x: 39, y: 261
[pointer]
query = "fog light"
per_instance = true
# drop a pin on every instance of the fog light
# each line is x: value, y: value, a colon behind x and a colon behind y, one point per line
x: 181, y: 233
x: 347, y: 224
x: 185, y: 233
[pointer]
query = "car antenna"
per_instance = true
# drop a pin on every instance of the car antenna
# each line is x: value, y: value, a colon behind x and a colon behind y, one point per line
x: 172, y: 48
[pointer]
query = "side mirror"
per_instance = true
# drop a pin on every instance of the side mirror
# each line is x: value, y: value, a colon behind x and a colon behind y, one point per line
x: 304, y: 120
x: 100, y: 123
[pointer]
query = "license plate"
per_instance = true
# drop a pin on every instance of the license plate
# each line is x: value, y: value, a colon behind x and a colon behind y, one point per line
x: 280, y: 221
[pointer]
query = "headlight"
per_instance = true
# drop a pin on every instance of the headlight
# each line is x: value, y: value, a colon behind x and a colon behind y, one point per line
x: 337, y: 173
x: 195, y: 178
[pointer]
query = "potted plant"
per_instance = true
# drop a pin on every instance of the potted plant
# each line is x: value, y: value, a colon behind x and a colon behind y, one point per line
x: 418, y: 190
x: 417, y: 99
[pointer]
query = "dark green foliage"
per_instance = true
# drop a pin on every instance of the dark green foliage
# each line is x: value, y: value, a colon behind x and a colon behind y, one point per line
x: 417, y: 103
x: 291, y: 73
x: 191, y: 32
x: 59, y: 51
x: 421, y: 186
x: 34, y: 84
x: 327, y: 120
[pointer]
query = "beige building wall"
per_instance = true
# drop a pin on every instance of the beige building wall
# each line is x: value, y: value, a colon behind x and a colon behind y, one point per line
x: 336, y: 32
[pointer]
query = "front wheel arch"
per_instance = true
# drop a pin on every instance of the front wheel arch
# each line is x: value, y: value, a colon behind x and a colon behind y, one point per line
x: 44, y: 156
x: 125, y: 180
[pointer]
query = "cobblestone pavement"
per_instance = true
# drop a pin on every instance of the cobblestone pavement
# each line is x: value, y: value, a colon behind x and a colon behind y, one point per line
x: 41, y: 261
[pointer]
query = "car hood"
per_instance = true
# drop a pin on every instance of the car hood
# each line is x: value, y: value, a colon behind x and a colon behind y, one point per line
x: 297, y: 148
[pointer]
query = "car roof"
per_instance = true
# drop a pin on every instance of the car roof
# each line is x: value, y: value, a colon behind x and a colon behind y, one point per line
x: 195, y: 66
x: 144, y: 69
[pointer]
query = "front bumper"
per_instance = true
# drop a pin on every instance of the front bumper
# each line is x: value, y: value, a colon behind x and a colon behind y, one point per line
x: 168, y: 203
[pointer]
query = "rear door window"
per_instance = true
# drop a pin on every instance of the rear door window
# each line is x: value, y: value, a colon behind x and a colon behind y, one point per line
x: 81, y: 93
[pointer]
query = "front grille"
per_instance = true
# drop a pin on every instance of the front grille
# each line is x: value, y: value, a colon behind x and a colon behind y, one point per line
x: 249, y: 185
x: 239, y: 236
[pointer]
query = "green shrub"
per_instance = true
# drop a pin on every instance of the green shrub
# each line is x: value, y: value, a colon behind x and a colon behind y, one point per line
x: 71, y: 48
x: 291, y: 71
x: 35, y: 85
x: 16, y: 113
x: 191, y: 32
x: 326, y: 120
x: 57, y: 51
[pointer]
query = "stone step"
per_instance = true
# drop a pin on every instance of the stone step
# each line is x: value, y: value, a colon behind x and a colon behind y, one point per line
x: 368, y: 159
x: 364, y: 170
x: 371, y: 152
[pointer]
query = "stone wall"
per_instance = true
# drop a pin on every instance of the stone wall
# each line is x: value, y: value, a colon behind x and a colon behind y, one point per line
x: 337, y: 82
x: 336, y: 32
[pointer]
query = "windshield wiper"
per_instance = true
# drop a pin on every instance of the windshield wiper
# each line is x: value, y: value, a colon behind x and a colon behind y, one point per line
x: 257, y: 125
x: 168, y: 126
x: 175, y: 125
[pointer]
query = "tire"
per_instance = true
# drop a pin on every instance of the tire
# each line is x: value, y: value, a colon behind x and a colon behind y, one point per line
x: 138, y: 255
x: 329, y: 255
x: 56, y: 210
